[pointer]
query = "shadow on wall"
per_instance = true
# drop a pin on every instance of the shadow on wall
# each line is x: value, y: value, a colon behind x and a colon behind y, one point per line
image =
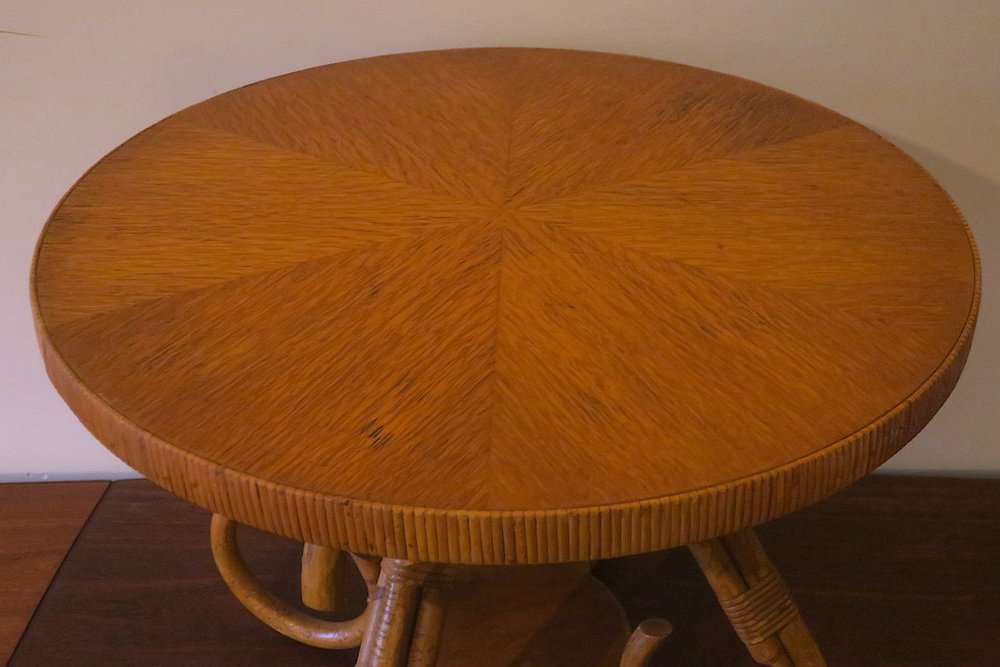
x: 967, y: 425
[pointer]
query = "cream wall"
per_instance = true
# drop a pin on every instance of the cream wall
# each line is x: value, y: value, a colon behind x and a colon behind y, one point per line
x: 90, y: 74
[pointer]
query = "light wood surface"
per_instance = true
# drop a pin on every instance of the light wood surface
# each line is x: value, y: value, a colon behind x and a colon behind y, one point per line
x: 505, y: 306
x: 38, y: 524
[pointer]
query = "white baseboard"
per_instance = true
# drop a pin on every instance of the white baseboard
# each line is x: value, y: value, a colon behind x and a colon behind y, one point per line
x: 12, y: 477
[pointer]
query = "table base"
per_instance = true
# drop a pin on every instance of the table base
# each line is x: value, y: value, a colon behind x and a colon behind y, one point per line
x: 456, y: 616
x: 427, y: 615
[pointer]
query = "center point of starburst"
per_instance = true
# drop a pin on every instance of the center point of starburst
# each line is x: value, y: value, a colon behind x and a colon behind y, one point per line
x: 504, y: 217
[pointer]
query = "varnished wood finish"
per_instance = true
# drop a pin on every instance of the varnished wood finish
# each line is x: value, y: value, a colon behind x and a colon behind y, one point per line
x: 387, y: 636
x: 724, y: 577
x: 453, y: 616
x: 894, y: 572
x: 644, y: 641
x: 505, y: 306
x: 757, y: 601
x: 323, y: 573
x: 557, y: 615
x: 38, y: 523
x: 403, y: 623
x: 760, y: 574
x: 279, y: 615
x: 425, y: 646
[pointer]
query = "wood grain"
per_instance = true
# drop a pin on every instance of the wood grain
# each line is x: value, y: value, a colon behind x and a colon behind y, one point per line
x: 505, y: 305
x: 38, y: 523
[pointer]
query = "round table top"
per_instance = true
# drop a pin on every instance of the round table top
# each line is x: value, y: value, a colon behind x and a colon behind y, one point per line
x: 505, y: 305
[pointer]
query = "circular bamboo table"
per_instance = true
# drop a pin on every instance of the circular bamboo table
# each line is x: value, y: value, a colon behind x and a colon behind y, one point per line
x: 455, y: 313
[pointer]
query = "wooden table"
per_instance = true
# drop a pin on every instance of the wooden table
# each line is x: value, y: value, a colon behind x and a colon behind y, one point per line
x: 457, y: 313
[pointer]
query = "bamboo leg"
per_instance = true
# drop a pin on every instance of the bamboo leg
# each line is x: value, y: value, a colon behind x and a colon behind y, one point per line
x: 427, y: 632
x: 275, y: 613
x: 389, y: 635
x: 324, y: 575
x: 757, y: 568
x: 756, y: 601
x: 646, y: 638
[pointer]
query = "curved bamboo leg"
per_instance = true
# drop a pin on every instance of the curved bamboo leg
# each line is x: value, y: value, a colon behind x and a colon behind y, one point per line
x: 757, y: 601
x: 276, y: 614
x: 324, y: 575
x: 645, y: 639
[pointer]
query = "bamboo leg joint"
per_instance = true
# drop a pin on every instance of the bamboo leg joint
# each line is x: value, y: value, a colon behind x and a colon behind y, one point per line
x: 761, y: 611
x: 756, y: 600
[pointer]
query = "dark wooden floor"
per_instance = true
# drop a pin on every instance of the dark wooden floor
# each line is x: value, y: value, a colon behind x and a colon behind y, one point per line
x: 38, y: 523
x: 894, y: 571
